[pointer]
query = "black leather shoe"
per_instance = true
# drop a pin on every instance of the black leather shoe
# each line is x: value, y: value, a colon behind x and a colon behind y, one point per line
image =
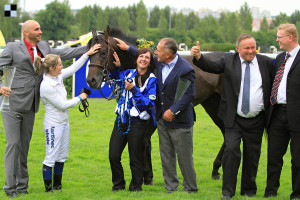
x: 149, y: 182
x: 117, y: 190
x: 22, y: 192
x: 249, y: 194
x: 270, y: 195
x: 225, y: 197
x: 12, y: 194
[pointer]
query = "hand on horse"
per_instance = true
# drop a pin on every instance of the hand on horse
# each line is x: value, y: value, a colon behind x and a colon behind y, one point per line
x: 117, y: 62
x: 94, y: 49
x: 121, y: 44
x: 129, y: 86
x: 168, y: 116
x: 5, y: 91
x: 83, y: 96
x: 195, y: 51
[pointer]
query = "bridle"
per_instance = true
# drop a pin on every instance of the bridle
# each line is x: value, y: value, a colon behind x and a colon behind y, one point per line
x: 105, y: 66
x: 111, y: 83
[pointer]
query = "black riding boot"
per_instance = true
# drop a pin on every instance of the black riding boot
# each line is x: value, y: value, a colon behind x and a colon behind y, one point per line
x: 57, y: 175
x: 57, y: 182
x: 48, y: 185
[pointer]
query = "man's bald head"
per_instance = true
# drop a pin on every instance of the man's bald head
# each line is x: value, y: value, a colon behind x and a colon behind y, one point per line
x: 32, y: 32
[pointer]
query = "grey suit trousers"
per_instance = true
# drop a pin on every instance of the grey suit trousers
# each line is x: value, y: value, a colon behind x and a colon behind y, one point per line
x: 18, y: 130
x: 178, y: 142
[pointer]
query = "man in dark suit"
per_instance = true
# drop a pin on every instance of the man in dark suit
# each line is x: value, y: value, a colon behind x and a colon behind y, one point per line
x: 284, y: 114
x: 244, y: 101
x: 24, y: 99
x: 175, y: 118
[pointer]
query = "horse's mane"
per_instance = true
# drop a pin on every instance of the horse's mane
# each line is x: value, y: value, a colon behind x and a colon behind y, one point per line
x: 129, y: 39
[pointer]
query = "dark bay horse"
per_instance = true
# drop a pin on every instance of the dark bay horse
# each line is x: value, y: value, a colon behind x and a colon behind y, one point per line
x: 208, y: 86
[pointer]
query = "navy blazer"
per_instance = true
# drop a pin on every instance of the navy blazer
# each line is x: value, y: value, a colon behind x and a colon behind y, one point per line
x: 292, y: 91
x: 183, y: 109
x: 230, y: 65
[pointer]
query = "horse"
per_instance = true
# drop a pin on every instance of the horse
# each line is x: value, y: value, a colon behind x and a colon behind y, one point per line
x: 208, y: 86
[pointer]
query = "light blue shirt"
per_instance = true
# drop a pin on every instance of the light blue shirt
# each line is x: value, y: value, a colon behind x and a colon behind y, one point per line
x: 167, y: 68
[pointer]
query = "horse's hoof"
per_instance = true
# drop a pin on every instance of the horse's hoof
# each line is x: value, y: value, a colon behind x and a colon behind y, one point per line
x: 216, y: 176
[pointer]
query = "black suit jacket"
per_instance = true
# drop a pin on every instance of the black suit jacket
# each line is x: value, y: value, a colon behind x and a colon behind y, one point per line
x: 292, y: 91
x: 230, y: 65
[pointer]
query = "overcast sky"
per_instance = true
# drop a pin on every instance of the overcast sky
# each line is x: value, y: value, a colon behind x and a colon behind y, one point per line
x: 274, y: 6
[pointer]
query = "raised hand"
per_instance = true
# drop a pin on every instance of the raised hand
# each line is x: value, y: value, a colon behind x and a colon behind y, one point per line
x: 195, y: 51
x: 121, y: 44
x: 94, y: 49
x: 117, y: 62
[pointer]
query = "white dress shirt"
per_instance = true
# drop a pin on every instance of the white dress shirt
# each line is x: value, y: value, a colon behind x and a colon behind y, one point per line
x: 281, y: 95
x: 167, y: 68
x: 256, y: 91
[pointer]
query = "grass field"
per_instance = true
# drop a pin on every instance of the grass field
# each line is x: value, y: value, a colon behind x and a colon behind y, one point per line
x: 87, y: 172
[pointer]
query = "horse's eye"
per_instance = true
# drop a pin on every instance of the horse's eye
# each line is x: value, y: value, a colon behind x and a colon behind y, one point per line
x: 103, y: 53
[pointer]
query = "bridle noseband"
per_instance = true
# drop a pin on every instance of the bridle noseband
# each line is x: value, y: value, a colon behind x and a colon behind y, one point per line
x: 105, y: 66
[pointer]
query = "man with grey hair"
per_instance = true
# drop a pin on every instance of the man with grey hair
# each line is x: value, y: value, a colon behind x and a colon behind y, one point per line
x: 284, y: 114
x: 244, y: 102
x: 24, y: 99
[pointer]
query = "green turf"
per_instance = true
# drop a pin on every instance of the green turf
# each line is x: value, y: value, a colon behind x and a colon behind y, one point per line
x: 87, y: 172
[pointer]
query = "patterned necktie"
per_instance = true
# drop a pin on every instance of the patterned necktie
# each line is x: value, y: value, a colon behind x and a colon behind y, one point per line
x: 277, y: 80
x: 246, y: 90
x: 34, y: 56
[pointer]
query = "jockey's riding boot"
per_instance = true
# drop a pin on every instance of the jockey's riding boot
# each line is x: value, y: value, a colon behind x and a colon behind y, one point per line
x: 57, y: 182
x: 48, y: 185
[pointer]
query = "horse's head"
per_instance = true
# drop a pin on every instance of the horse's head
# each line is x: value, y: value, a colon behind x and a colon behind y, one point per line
x: 101, y: 63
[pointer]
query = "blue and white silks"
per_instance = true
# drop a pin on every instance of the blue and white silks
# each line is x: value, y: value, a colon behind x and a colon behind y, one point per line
x: 137, y: 102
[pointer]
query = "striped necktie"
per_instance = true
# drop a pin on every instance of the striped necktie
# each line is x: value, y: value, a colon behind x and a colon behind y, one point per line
x: 34, y: 56
x: 277, y: 80
x: 246, y: 90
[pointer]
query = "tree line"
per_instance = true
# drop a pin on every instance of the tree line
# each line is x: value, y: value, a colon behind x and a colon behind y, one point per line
x: 58, y: 23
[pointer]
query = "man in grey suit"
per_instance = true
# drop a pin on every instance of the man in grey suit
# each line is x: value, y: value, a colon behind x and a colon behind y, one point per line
x: 24, y: 99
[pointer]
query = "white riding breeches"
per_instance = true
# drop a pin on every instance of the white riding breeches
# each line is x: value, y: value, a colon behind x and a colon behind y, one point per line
x: 57, y: 144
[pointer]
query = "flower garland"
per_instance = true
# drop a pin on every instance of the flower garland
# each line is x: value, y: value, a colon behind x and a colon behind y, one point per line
x: 146, y: 44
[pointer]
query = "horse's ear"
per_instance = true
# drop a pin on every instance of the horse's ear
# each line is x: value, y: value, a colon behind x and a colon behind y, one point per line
x: 94, y: 32
x: 107, y: 31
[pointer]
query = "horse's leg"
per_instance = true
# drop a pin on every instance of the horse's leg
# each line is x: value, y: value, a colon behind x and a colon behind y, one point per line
x: 211, y: 106
x: 148, y: 173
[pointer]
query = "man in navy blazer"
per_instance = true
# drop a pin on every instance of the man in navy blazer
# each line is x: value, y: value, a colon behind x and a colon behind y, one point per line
x: 284, y: 114
x: 175, y: 118
x: 242, y: 120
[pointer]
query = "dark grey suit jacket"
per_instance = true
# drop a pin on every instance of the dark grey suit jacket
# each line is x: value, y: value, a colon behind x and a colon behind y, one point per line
x: 26, y: 83
x: 230, y: 65
x: 292, y: 91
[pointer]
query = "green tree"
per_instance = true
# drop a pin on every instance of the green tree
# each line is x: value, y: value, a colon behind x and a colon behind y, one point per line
x: 102, y: 20
x: 280, y: 19
x: 84, y: 20
x: 9, y: 25
x: 246, y: 18
x: 264, y: 27
x: 190, y: 20
x: 154, y: 17
x: 132, y: 14
x: 113, y: 15
x: 163, y: 22
x: 55, y: 20
x: 211, y: 32
x: 124, y: 20
x: 295, y: 17
x: 230, y: 26
x: 141, y: 19
x: 179, y: 23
